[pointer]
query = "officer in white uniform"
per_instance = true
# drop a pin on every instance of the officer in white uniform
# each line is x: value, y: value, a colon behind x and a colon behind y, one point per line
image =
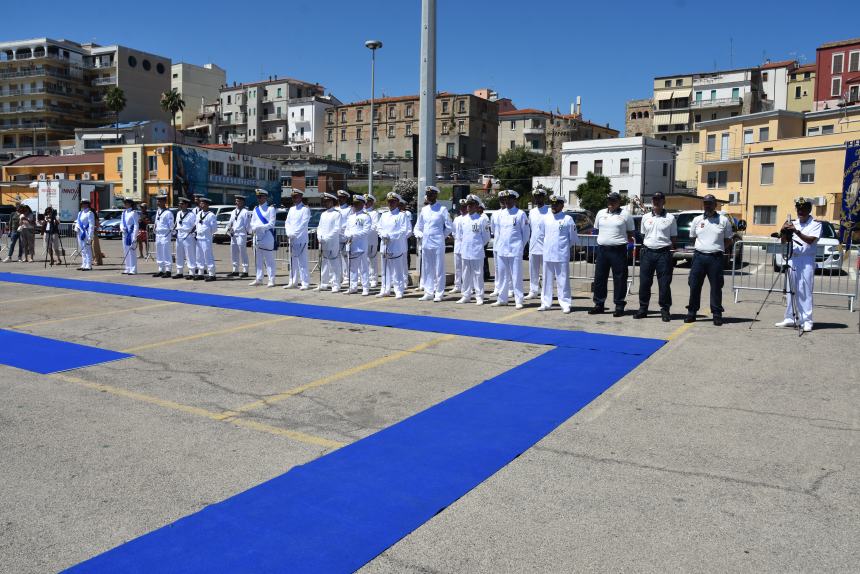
x: 372, y: 239
x: 163, y: 235
x: 393, y: 230
x: 511, y: 227
x: 344, y: 208
x: 265, y: 240
x: 474, y: 233
x: 238, y: 228
x: 659, y: 231
x: 207, y: 223
x: 186, y: 243
x: 559, y: 236
x: 713, y: 234
x: 129, y: 223
x: 458, y: 248
x: 431, y: 229
x: 356, y: 234
x: 85, y: 227
x: 614, y: 230
x: 803, y: 233
x: 329, y: 233
x: 404, y: 261
x: 296, y: 227
x: 536, y: 219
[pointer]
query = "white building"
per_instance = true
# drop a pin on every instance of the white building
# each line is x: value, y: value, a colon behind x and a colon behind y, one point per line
x: 635, y: 166
x: 774, y: 84
x: 197, y: 85
x: 305, y: 123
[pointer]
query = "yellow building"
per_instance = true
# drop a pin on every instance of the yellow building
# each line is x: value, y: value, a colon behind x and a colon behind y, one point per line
x: 85, y: 167
x: 801, y: 89
x: 139, y: 171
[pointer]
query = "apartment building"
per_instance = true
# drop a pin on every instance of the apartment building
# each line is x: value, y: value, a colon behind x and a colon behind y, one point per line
x: 774, y: 84
x: 83, y: 167
x: 639, y: 118
x: 801, y: 89
x: 91, y: 139
x: 198, y: 85
x: 467, y: 128
x: 837, y: 74
x: 544, y: 132
x: 50, y: 87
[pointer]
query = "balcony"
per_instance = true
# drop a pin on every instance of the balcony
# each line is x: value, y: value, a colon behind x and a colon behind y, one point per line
x: 231, y: 119
x: 727, y: 155
x: 274, y: 117
x: 716, y: 103
x: 274, y: 138
x: 534, y: 131
x: 108, y: 81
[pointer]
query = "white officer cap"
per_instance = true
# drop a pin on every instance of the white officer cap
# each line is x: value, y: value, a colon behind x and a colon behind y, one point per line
x: 539, y: 191
x: 342, y: 192
x: 511, y: 193
x: 432, y: 188
x: 391, y: 195
x: 206, y: 200
x: 297, y: 190
x: 327, y: 195
x: 239, y: 196
x: 358, y: 197
x: 369, y: 197
x: 161, y: 196
x: 462, y: 201
x: 85, y: 200
x: 556, y: 198
x: 473, y: 199
x: 261, y: 191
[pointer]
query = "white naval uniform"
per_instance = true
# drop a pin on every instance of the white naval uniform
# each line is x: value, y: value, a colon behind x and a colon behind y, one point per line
x: 186, y: 242
x: 393, y: 229
x: 474, y: 229
x: 296, y: 227
x: 85, y: 227
x: 129, y: 224
x: 536, y: 219
x: 802, y: 276
x: 559, y: 237
x: 344, y: 209
x: 404, y: 261
x: 207, y: 223
x: 238, y: 228
x: 357, y: 232
x: 263, y: 227
x: 163, y: 235
x: 432, y: 227
x: 458, y: 253
x: 329, y: 235
x: 512, y: 232
x: 373, y: 246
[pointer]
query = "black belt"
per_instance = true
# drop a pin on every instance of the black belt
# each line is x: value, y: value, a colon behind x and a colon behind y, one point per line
x: 657, y: 250
x: 622, y: 246
x: 710, y: 253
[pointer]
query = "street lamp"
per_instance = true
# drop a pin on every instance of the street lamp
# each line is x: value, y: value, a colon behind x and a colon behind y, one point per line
x: 372, y: 45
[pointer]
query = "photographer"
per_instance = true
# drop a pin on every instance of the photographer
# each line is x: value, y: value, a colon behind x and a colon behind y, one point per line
x: 803, y: 234
x: 51, y: 234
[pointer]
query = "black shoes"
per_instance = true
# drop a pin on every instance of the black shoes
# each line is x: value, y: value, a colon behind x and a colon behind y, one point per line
x: 157, y: 274
x: 664, y: 314
x: 690, y: 319
x: 209, y: 278
x: 198, y: 277
x: 596, y: 310
x: 640, y: 314
x: 189, y: 277
x: 718, y: 320
x: 233, y: 274
x: 243, y: 275
x: 178, y: 276
x: 619, y: 312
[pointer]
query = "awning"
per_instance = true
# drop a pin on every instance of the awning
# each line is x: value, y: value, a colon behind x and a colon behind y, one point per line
x: 684, y: 93
x: 99, y: 137
x: 198, y: 127
x: 680, y: 118
x: 665, y: 95
x: 662, y: 119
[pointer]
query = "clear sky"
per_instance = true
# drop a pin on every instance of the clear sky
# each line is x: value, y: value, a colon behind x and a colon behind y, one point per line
x: 541, y: 54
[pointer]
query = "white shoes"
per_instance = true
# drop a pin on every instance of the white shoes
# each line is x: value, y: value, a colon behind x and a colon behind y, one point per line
x: 462, y: 300
x: 254, y: 283
x: 381, y: 295
x: 365, y: 293
x: 807, y: 327
x: 479, y: 301
x: 495, y: 293
x: 303, y: 288
x: 518, y: 306
x: 335, y: 289
x: 426, y: 297
x: 454, y: 290
x: 499, y: 304
x: 270, y: 284
x: 321, y: 287
x: 437, y: 299
x: 530, y: 296
x: 785, y: 323
x: 565, y: 310
x: 543, y: 308
x: 289, y: 285
x: 399, y: 296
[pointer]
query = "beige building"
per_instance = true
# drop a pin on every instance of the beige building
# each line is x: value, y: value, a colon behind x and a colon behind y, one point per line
x: 543, y: 132
x: 197, y: 85
x: 801, y: 89
x: 639, y: 119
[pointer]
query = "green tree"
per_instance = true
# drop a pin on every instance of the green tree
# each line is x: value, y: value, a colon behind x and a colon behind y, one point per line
x: 115, y: 100
x: 516, y: 167
x: 592, y: 194
x: 408, y: 190
x: 172, y: 103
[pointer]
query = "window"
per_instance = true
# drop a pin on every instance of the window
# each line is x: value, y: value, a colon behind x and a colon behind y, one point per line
x: 736, y: 94
x: 358, y: 134
x: 390, y: 154
x: 119, y: 164
x: 444, y: 128
x: 409, y: 154
x: 717, y: 179
x: 767, y: 174
x: 343, y: 135
x: 409, y: 111
x: 152, y: 164
x: 573, y: 170
x: 646, y: 113
x: 713, y: 95
x: 461, y: 127
x: 598, y: 167
x: 665, y: 169
x: 812, y: 131
x: 679, y: 82
x: 807, y: 75
x: 343, y: 157
x: 279, y: 92
x: 330, y: 118
x: 359, y: 113
x: 748, y: 136
x: 836, y: 67
x: 329, y: 135
x: 763, y: 134
x: 449, y: 150
x: 159, y: 68
x: 392, y: 113
x: 826, y: 130
x: 712, y: 142
x: 445, y: 107
x: 797, y: 92
x: 764, y: 215
x: 698, y: 96
x: 513, y: 124
x: 836, y: 86
x: 462, y: 106
x: 343, y: 116
x: 391, y: 131
x: 854, y: 62
x: 764, y: 76
x: 228, y: 99
x: 535, y: 144
x: 668, y: 83
x: 132, y: 61
x: 807, y: 171
x: 408, y: 130
x: 375, y: 133
x: 625, y: 165
x: 698, y: 117
x: 513, y: 144
x: 854, y: 94
x: 233, y: 170
x: 358, y: 156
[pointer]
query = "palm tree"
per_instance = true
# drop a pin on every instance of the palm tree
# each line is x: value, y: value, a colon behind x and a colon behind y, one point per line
x: 172, y: 103
x: 115, y: 100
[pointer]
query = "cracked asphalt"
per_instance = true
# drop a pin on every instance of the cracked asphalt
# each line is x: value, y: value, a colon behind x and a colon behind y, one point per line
x: 730, y: 450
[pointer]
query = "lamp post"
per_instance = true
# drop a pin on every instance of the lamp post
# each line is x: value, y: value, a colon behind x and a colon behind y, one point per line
x: 372, y: 45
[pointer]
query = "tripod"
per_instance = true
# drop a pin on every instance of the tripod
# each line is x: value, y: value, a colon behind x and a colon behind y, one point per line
x: 788, y: 288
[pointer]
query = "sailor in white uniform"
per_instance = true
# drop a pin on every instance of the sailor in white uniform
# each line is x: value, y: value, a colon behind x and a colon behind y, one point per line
x: 356, y: 234
x: 186, y: 243
x: 296, y: 227
x: 129, y: 223
x: 238, y: 228
x: 559, y: 235
x: 431, y: 229
x: 393, y: 230
x: 404, y: 261
x: 344, y: 208
x: 804, y: 233
x: 163, y: 236
x: 536, y: 218
x: 458, y: 249
x: 207, y: 223
x: 265, y: 239
x: 329, y: 233
x: 511, y: 227
x: 372, y: 239
x: 474, y: 233
x: 85, y: 228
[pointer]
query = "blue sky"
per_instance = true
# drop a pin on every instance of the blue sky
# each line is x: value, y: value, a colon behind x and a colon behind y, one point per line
x: 541, y: 54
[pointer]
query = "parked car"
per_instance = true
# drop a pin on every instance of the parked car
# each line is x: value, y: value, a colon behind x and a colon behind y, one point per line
x: 106, y: 214
x: 220, y: 235
x: 685, y: 243
x: 109, y: 229
x: 827, y: 256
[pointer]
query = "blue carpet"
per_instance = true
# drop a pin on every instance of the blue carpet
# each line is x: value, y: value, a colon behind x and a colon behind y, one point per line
x: 46, y: 356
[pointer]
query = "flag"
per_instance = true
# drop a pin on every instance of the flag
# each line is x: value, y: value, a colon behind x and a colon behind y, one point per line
x: 850, y: 192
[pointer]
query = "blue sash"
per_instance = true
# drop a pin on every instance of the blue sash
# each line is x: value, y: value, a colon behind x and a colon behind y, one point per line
x: 128, y: 238
x: 84, y: 226
x: 266, y: 222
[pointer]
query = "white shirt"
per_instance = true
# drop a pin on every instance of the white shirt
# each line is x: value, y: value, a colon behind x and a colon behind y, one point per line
x: 511, y: 230
x: 612, y: 228
x: 372, y: 237
x: 185, y: 223
x: 357, y: 230
x: 344, y: 210
x: 559, y: 236
x: 85, y: 224
x: 129, y: 221
x: 206, y: 225
x: 264, y: 233
x: 811, y: 228
x: 536, y: 218
x: 240, y: 221
x: 163, y: 223
x: 330, y: 226
x: 474, y: 234
x: 433, y: 226
x: 658, y: 230
x: 297, y: 221
x: 393, y: 229
x: 710, y: 232
x: 456, y: 232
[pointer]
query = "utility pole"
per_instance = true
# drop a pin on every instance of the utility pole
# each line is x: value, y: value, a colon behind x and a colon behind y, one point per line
x: 427, y: 103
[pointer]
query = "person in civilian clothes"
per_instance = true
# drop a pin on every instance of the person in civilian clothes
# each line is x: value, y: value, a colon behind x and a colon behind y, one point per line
x: 393, y: 230
x: 511, y: 227
x: 713, y: 234
x: 263, y: 227
x: 614, y: 230
x: 51, y: 235
x: 474, y: 234
x: 357, y: 230
x: 431, y: 229
x: 659, y: 232
x: 238, y: 228
x: 296, y: 227
x: 463, y: 210
x: 186, y: 242
x: 559, y: 236
x: 85, y: 228
x: 129, y: 226
x: 163, y: 235
x: 804, y: 233
x: 372, y: 239
x: 536, y: 219
x: 329, y: 235
x: 207, y: 223
x: 344, y: 208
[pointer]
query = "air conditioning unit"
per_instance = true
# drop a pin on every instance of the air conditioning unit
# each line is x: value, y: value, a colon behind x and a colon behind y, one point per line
x: 42, y: 177
x: 59, y: 176
x: 161, y: 150
x: 86, y: 176
x: 734, y: 197
x: 820, y: 201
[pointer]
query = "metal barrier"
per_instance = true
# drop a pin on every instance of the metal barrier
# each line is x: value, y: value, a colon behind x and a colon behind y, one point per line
x: 282, y: 255
x: 584, y: 259
x: 764, y: 263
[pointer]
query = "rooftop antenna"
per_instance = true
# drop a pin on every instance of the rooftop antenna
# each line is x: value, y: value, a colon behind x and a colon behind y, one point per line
x: 731, y: 52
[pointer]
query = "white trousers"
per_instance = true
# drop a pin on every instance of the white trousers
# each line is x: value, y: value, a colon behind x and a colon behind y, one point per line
x: 331, y: 271
x: 358, y: 270
x: 205, y: 256
x: 472, y: 279
x: 801, y: 280
x: 264, y: 258
x: 558, y: 272
x: 86, y: 249
x: 495, y: 271
x: 129, y: 254
x: 299, y: 274
x: 535, y: 270
x: 239, y: 252
x: 162, y: 252
x: 344, y: 263
x: 458, y: 272
x: 393, y: 273
x: 373, y: 260
x: 510, y: 278
x: 433, y: 270
x: 186, y: 254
